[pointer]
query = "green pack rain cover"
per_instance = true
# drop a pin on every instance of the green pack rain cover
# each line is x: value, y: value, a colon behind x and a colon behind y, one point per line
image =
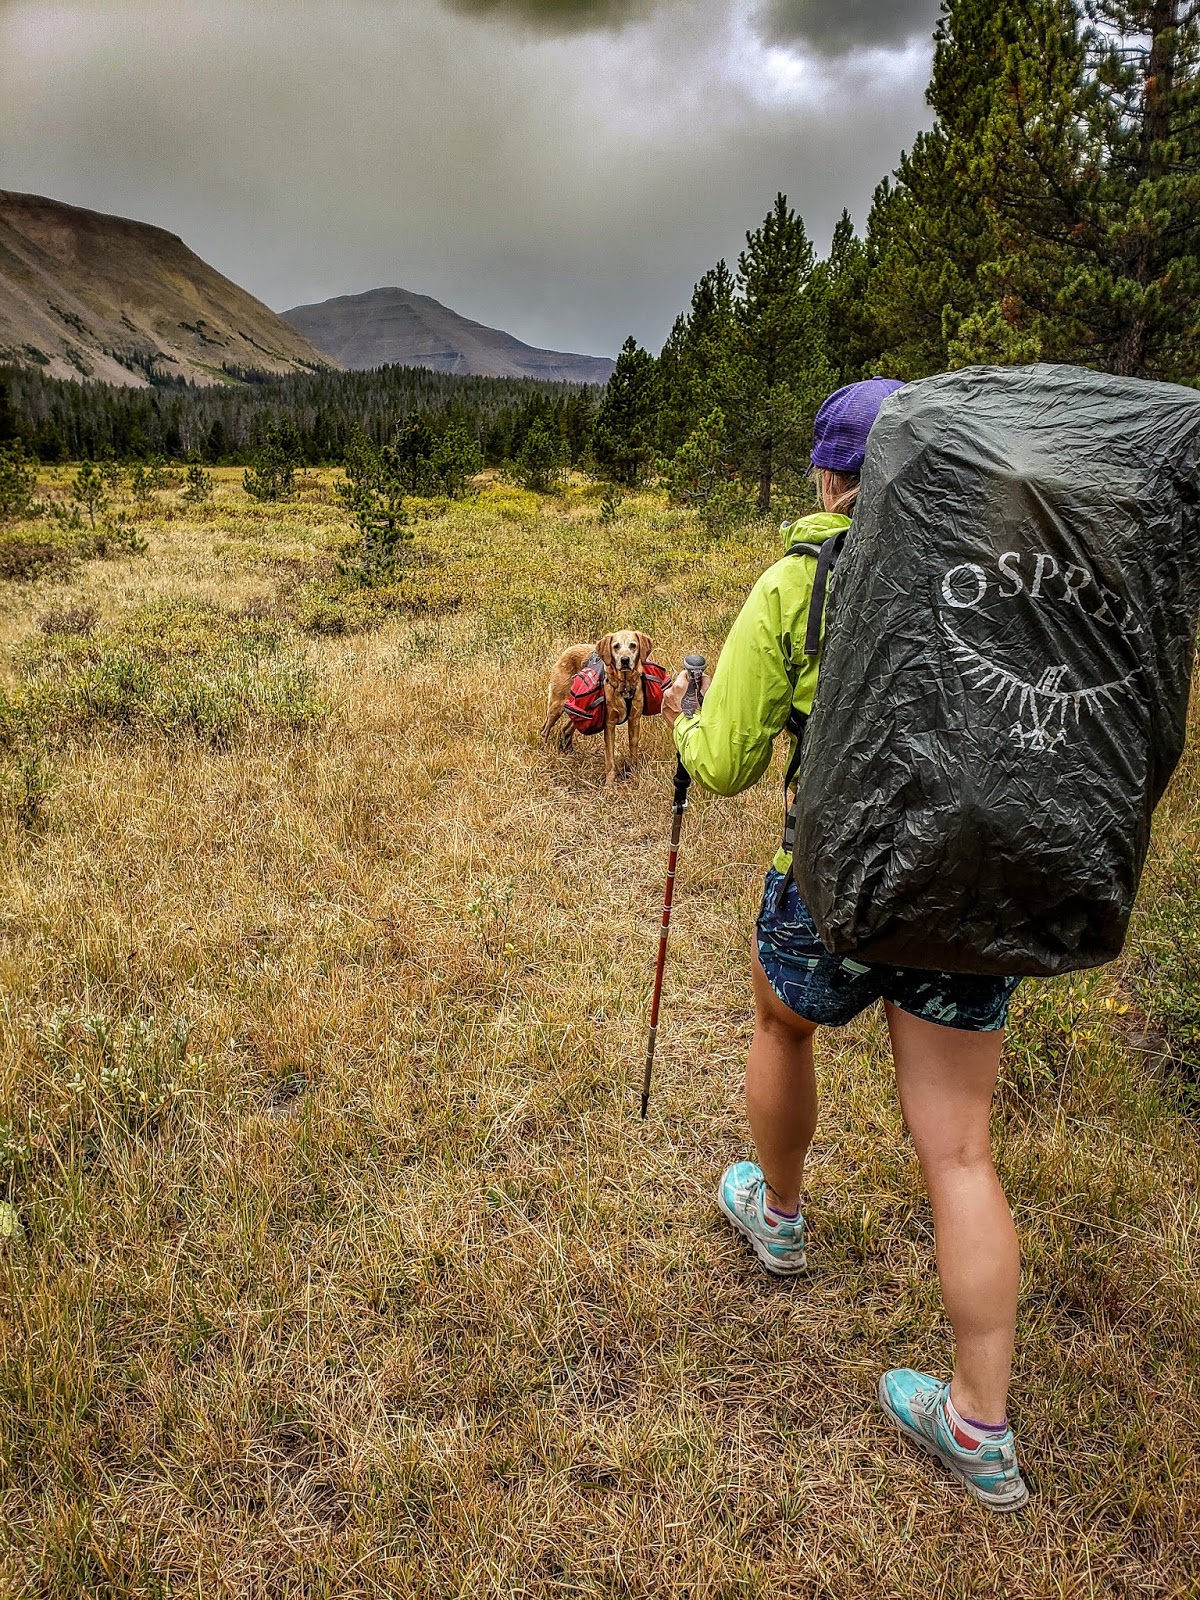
x: 1004, y: 685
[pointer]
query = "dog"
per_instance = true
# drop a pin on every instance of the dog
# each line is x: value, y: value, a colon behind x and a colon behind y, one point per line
x: 624, y: 654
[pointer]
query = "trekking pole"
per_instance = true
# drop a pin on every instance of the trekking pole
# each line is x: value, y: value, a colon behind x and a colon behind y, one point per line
x: 694, y: 666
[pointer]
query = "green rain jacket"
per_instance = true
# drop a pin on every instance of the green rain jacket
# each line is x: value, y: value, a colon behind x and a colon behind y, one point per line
x: 762, y: 675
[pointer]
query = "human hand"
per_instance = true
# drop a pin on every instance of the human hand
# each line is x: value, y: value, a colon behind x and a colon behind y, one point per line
x: 672, y: 705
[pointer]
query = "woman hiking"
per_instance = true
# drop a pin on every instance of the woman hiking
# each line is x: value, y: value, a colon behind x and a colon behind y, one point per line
x: 946, y: 1030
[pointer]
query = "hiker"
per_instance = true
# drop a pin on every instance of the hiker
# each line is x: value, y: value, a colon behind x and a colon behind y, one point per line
x: 946, y: 1030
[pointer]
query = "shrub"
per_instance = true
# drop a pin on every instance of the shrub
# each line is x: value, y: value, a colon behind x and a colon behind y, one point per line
x: 22, y: 560
x: 701, y: 475
x: 187, y: 670
x: 89, y: 490
x: 199, y: 487
x: 79, y: 620
x: 18, y: 482
x: 26, y: 787
x: 539, y: 463
x: 273, y: 474
x: 456, y: 459
x: 1164, y: 976
x: 374, y: 491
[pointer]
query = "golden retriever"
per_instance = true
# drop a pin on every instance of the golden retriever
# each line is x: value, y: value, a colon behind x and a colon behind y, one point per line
x: 623, y: 655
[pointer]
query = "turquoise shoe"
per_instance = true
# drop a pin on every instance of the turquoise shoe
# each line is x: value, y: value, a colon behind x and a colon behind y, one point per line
x: 916, y: 1403
x: 740, y: 1195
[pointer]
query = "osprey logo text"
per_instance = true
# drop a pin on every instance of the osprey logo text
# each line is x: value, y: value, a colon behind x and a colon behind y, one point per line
x: 1045, y: 710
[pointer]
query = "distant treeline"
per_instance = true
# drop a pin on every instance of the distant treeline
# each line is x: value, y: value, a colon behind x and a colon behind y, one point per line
x: 224, y: 424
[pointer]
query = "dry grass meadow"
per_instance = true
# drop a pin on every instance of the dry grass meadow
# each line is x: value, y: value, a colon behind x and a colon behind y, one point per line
x: 343, y: 1265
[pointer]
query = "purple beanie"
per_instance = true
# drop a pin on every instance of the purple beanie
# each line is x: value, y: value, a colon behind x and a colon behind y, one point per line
x: 845, y: 420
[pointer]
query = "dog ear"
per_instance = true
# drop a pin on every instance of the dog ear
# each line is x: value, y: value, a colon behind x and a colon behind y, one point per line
x: 605, y: 652
x: 645, y: 648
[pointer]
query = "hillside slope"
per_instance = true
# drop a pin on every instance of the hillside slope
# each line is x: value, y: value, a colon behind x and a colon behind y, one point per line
x: 395, y: 326
x: 86, y: 295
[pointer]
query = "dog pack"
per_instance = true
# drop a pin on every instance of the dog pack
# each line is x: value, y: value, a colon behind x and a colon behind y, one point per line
x: 1004, y: 683
x: 585, y: 704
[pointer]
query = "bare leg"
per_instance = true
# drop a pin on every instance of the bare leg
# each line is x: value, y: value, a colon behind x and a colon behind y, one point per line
x: 946, y: 1077
x: 781, y: 1092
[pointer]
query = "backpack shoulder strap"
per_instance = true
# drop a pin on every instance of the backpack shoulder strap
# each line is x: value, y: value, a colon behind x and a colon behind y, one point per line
x: 826, y: 553
x: 826, y: 561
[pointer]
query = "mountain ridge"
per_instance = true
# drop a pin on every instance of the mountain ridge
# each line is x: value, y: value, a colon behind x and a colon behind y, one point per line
x: 398, y: 327
x: 85, y: 294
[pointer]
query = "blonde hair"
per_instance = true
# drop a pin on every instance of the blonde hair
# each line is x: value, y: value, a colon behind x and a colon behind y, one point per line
x: 838, y: 490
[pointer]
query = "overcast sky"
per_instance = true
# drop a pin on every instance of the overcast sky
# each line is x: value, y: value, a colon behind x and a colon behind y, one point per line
x: 563, y: 169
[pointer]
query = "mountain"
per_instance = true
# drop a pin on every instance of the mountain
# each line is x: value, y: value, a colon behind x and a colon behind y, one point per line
x: 84, y: 295
x: 393, y: 326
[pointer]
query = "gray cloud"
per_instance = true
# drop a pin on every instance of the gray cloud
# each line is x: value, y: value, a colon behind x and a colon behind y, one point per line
x: 569, y: 188
x: 558, y: 16
x: 836, y: 27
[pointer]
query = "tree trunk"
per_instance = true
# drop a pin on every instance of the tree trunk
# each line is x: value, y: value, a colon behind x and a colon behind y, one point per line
x: 765, y: 475
x: 1129, y: 359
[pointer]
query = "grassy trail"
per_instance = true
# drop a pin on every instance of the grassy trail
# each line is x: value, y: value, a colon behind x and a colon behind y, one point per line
x: 346, y: 1268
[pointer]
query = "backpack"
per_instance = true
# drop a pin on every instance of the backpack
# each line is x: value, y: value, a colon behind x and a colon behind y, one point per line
x: 1006, y: 668
x: 585, y: 705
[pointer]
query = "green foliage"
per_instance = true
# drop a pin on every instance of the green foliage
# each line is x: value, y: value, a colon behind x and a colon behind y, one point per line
x: 627, y: 423
x: 225, y: 422
x: 742, y: 375
x: 119, y: 538
x: 693, y: 368
x: 702, y: 475
x: 779, y: 373
x: 272, y: 477
x: 1164, y: 974
x: 456, y: 459
x: 18, y: 483
x: 198, y: 489
x: 1053, y: 211
x: 140, y: 486
x: 374, y: 492
x: 610, y: 503
x: 27, y: 786
x: 539, y: 463
x: 186, y: 670
x: 89, y: 490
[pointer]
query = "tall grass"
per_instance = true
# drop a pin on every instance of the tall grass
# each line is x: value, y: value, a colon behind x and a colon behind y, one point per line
x: 345, y: 1266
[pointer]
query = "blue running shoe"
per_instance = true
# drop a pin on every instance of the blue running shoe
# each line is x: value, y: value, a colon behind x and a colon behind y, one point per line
x: 741, y: 1195
x: 916, y: 1403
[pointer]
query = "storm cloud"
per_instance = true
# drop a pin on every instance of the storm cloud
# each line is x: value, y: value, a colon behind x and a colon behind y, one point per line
x: 837, y: 27
x: 558, y: 16
x: 568, y: 186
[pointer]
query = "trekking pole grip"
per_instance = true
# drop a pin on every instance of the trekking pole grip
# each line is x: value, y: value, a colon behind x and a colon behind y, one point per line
x: 692, y: 701
x: 694, y: 667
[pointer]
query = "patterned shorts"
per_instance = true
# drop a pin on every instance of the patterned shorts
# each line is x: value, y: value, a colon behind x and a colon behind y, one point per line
x: 831, y: 990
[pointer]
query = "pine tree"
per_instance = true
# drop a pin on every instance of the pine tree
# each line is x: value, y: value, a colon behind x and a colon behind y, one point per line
x: 693, y: 368
x: 273, y: 474
x: 374, y: 491
x: 930, y: 233
x: 88, y: 490
x: 8, y: 417
x: 456, y: 459
x: 539, y: 462
x: 1091, y: 164
x: 837, y: 290
x: 627, y: 422
x: 778, y: 369
x: 18, y: 482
